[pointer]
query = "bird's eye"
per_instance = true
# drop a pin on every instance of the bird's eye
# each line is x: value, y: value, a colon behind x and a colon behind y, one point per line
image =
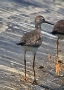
x: 43, y: 19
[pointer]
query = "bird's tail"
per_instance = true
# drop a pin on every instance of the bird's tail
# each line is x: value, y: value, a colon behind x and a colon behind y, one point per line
x: 18, y: 43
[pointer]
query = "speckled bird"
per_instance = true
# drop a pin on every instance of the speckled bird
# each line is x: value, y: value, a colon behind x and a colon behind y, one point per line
x: 58, y: 29
x: 31, y: 41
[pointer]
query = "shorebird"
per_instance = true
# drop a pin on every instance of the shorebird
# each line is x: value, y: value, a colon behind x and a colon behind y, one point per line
x: 58, y: 29
x: 31, y: 41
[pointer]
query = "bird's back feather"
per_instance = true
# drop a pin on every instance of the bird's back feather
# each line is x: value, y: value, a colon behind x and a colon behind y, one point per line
x: 32, y: 38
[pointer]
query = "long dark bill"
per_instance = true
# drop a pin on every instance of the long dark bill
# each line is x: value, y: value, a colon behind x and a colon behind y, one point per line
x: 49, y: 22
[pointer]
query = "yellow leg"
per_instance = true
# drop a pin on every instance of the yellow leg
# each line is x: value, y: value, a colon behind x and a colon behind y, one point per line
x: 58, y: 68
x: 25, y: 78
x: 34, y: 82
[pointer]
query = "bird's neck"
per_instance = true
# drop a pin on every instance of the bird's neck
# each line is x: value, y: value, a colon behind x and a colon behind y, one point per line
x: 38, y: 27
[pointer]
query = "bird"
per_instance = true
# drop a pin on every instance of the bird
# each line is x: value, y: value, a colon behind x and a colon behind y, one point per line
x: 58, y: 29
x: 31, y: 41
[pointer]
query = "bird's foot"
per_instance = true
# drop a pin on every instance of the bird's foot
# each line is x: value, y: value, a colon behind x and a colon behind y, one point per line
x: 35, y: 82
x: 26, y: 79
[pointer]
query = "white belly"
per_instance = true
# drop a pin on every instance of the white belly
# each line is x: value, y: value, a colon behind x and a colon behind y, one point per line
x: 31, y: 49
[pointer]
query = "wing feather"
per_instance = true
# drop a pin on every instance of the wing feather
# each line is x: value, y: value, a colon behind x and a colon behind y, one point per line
x: 32, y: 38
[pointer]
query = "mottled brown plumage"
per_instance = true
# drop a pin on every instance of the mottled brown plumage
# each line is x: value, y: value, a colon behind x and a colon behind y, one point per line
x: 31, y: 41
x: 58, y: 27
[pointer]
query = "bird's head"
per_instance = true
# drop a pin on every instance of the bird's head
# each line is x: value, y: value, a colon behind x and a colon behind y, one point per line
x: 39, y: 20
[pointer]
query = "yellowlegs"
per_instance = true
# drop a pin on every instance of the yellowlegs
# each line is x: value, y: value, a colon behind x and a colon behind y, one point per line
x: 58, y: 29
x: 31, y: 41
